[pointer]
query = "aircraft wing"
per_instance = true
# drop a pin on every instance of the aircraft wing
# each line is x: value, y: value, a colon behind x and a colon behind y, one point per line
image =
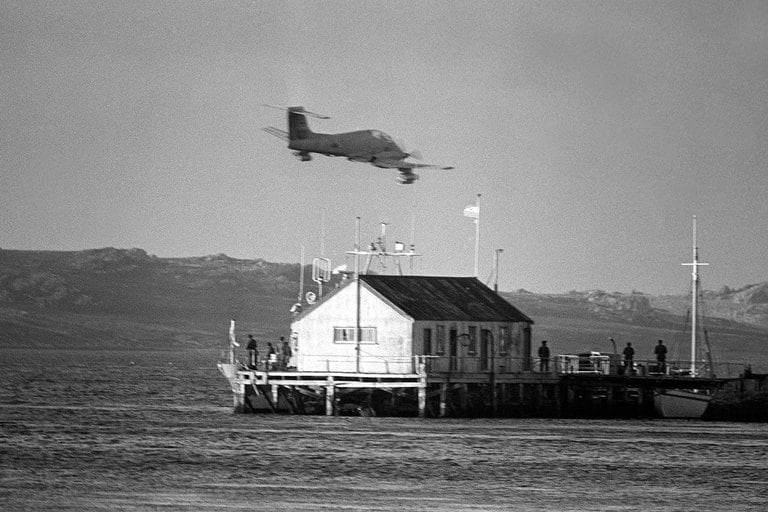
x: 277, y: 132
x: 402, y: 164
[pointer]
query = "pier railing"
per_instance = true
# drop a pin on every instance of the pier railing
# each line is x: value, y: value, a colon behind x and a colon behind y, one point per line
x: 612, y: 364
x: 588, y: 363
x: 362, y: 364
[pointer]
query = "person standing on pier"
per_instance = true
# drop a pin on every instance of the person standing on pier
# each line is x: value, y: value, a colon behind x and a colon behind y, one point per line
x: 661, y: 356
x: 629, y: 358
x: 253, y: 352
x: 285, y: 352
x: 271, y: 357
x: 544, y: 357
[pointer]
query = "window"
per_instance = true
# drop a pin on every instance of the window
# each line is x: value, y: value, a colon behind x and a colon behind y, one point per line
x: 505, y: 340
x: 347, y: 335
x: 472, y: 348
x: 441, y: 339
x: 427, y: 341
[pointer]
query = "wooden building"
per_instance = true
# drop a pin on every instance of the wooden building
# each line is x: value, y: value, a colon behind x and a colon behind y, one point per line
x: 434, y: 347
x: 387, y: 322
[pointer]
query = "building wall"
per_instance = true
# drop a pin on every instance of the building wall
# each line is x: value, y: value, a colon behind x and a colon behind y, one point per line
x: 317, y: 350
x: 510, y: 356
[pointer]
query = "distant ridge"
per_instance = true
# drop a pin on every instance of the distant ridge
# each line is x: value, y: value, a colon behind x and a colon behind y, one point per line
x: 128, y: 299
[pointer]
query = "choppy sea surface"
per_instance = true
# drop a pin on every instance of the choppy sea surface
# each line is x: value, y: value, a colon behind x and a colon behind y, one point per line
x: 155, y: 431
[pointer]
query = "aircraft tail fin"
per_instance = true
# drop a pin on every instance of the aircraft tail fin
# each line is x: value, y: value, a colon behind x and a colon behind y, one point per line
x: 297, y: 124
x: 297, y: 121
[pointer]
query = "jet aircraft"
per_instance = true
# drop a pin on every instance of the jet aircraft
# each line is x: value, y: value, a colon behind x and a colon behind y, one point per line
x: 370, y: 146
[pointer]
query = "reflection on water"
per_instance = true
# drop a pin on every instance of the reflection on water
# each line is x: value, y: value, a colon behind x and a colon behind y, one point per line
x: 155, y: 431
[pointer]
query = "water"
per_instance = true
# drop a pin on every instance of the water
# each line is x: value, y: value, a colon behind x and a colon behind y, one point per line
x: 91, y: 431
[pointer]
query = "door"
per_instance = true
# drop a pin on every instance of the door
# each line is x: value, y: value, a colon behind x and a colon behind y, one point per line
x: 453, y: 344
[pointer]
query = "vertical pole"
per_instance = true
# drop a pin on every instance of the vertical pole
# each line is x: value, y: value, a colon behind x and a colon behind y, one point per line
x: 322, y: 230
x: 443, y: 397
x: 494, y: 394
x: 694, y: 297
x: 422, y: 390
x: 357, y: 295
x: 240, y: 398
x: 232, y: 341
x: 477, y: 239
x: 301, y: 276
x: 330, y: 392
x: 496, y: 255
x: 494, y: 398
x: 539, y: 398
x: 413, y: 235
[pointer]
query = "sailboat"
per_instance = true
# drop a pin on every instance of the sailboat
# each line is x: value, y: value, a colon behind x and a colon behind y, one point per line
x: 686, y: 403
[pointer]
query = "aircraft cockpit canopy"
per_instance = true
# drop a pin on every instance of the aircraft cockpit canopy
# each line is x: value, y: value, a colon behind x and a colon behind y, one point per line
x: 381, y: 135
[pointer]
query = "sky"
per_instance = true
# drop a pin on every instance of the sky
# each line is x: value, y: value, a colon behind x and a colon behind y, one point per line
x: 593, y: 132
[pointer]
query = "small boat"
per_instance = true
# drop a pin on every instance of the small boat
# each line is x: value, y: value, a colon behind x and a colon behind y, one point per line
x: 681, y: 403
x: 686, y: 403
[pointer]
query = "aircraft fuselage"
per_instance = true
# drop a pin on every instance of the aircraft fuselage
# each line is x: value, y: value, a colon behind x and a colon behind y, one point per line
x: 362, y: 145
x: 371, y: 146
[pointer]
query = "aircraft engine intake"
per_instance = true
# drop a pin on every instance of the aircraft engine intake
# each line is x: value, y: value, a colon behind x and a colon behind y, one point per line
x: 303, y: 156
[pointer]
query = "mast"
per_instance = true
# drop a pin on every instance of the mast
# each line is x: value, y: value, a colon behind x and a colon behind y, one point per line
x: 695, y: 264
x: 357, y: 294
x: 378, y: 249
x: 301, y: 276
x: 473, y: 212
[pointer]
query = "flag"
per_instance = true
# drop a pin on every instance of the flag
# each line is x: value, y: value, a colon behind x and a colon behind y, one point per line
x: 472, y: 211
x: 232, y: 334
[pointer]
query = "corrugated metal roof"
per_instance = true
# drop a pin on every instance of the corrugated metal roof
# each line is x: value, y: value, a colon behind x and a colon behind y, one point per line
x: 444, y: 298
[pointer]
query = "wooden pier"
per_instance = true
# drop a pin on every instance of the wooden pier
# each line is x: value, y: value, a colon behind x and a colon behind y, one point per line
x: 440, y: 394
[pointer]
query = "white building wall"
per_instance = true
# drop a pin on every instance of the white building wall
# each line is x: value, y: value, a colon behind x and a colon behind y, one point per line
x: 317, y: 350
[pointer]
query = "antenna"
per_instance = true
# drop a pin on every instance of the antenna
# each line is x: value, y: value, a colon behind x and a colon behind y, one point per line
x: 301, y: 275
x: 322, y: 234
x: 321, y: 273
x: 378, y: 249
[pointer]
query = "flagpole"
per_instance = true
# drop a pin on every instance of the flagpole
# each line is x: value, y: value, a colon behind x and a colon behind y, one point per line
x: 477, y: 239
x: 232, y: 341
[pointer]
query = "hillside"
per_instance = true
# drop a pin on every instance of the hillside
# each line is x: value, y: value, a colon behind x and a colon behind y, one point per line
x: 127, y: 300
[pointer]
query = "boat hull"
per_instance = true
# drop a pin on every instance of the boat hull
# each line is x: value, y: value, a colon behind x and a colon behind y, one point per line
x: 681, y: 403
x: 229, y: 370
